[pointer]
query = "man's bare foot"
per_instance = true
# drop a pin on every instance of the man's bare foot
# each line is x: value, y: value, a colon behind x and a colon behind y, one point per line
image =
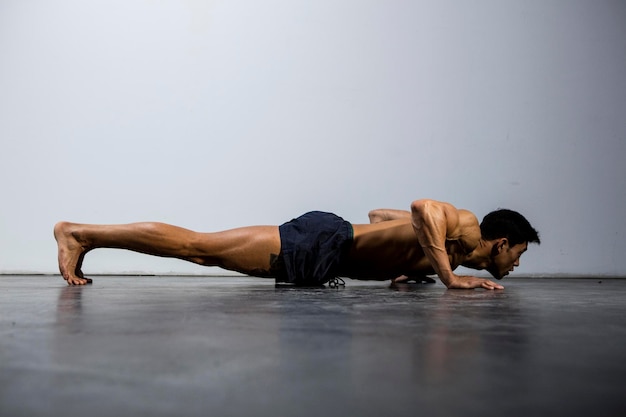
x: 71, y: 254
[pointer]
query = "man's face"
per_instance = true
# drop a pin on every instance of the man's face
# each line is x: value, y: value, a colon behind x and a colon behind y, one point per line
x: 505, y: 258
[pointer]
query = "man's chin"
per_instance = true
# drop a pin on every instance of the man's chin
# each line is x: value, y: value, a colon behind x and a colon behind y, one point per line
x: 498, y: 275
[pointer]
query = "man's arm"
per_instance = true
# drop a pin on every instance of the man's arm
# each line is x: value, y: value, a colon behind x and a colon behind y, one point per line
x: 435, y: 222
x: 383, y: 215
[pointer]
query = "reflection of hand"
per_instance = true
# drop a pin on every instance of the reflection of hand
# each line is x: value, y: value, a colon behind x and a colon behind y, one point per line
x: 402, y: 279
x: 468, y: 282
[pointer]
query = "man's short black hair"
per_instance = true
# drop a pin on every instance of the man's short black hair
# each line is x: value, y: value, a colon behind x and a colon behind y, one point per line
x: 509, y: 224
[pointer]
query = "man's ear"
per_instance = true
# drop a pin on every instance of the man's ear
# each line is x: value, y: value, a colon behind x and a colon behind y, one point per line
x: 497, y: 247
x: 502, y: 244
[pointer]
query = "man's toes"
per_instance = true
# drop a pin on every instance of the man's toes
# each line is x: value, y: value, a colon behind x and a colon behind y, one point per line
x: 79, y: 281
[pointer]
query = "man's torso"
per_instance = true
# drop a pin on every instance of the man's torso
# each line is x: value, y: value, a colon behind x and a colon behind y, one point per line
x: 389, y: 249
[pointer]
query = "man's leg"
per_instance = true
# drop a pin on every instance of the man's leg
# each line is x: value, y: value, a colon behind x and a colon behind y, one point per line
x: 247, y: 250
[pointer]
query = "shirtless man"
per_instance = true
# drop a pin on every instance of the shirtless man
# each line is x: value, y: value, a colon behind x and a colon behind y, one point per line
x: 432, y: 238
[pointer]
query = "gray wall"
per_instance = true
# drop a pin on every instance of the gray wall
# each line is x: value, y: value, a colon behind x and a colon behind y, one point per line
x: 219, y: 114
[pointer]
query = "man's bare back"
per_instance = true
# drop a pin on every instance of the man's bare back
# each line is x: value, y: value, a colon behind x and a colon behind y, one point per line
x: 433, y: 237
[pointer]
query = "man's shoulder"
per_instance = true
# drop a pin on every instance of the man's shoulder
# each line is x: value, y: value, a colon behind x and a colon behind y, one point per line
x: 469, y: 230
x: 468, y: 219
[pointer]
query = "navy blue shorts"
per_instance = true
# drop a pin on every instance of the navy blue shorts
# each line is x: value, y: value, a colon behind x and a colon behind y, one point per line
x: 313, y: 247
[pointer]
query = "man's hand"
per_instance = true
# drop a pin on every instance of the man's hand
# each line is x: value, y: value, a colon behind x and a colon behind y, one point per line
x: 468, y: 282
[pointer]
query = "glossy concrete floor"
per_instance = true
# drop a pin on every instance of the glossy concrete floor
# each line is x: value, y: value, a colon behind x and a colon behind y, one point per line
x: 175, y: 346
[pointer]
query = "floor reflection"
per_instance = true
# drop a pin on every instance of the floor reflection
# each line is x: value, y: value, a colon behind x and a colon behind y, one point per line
x: 366, y: 338
x: 70, y: 308
x: 460, y: 331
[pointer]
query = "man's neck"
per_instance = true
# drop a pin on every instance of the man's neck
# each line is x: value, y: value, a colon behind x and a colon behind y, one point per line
x: 480, y: 257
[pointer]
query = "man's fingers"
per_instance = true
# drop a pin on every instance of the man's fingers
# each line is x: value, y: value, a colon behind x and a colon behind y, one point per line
x: 492, y: 285
x: 474, y: 282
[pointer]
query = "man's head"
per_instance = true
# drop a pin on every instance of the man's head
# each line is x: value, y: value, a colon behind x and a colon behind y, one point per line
x: 510, y: 234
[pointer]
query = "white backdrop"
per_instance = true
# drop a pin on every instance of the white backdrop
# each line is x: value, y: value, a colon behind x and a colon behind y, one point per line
x: 224, y: 113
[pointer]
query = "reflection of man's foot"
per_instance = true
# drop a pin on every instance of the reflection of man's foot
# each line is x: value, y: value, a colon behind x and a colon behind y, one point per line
x: 413, y: 279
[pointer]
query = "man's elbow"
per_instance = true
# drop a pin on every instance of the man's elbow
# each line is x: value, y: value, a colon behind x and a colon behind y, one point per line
x: 421, y: 206
x: 376, y: 216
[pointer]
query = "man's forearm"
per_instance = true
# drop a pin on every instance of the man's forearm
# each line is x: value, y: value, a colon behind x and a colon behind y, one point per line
x: 440, y: 262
